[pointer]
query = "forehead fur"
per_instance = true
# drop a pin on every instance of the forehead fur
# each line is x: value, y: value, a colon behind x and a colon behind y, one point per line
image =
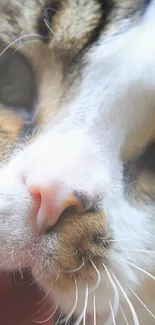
x: 74, y: 21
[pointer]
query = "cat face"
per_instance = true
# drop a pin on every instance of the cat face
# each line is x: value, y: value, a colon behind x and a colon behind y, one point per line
x: 76, y: 123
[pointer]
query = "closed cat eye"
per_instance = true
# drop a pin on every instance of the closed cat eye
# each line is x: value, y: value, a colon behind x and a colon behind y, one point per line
x: 17, y: 84
x: 45, y: 20
x: 146, y: 160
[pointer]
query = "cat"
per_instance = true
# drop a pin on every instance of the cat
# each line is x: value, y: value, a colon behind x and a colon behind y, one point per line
x: 77, y: 130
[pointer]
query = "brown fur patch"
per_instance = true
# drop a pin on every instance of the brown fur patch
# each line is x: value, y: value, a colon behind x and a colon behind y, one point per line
x: 10, y: 127
x: 77, y: 232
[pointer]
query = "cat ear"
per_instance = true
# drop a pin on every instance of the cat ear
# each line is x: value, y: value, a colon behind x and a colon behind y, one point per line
x: 17, y: 83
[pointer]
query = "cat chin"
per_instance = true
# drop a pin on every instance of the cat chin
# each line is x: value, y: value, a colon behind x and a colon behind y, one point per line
x: 117, y: 277
x: 106, y: 301
x: 80, y: 303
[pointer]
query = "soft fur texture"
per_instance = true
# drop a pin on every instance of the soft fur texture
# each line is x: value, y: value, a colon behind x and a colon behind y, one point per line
x: 81, y: 111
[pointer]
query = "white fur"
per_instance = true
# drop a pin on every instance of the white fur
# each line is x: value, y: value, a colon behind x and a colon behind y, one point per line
x: 117, y: 93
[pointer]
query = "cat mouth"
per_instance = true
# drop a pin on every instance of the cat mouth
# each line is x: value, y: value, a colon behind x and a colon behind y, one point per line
x: 26, y: 303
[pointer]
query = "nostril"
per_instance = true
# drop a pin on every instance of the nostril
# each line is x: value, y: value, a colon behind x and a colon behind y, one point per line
x: 71, y: 210
x: 53, y: 201
x: 59, y: 211
x: 34, y: 190
x: 68, y: 211
x: 73, y: 203
x: 36, y: 201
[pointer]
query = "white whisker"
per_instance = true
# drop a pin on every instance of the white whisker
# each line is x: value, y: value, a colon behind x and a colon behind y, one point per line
x: 82, y: 316
x: 66, y: 319
x: 112, y: 313
x: 123, y: 314
x: 18, y: 3
x: 127, y: 185
x: 58, y: 318
x: 139, y: 250
x: 20, y: 282
x: 113, y: 240
x: 3, y: 263
x: 45, y: 296
x: 49, y: 318
x: 41, y: 275
x: 116, y: 294
x: 46, y: 23
x: 97, y: 284
x: 135, y: 318
x: 30, y: 255
x: 140, y: 269
x: 39, y: 310
x: 149, y: 311
x: 86, y: 303
x: 77, y: 269
x: 52, y: 9
x: 17, y: 40
x: 118, y: 240
x: 22, y: 7
x: 12, y: 257
x: 57, y: 277
x: 35, y: 281
x: 20, y: 269
x: 25, y: 43
x: 94, y: 303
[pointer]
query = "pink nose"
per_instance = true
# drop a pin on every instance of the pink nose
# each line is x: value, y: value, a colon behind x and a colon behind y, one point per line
x: 52, y: 201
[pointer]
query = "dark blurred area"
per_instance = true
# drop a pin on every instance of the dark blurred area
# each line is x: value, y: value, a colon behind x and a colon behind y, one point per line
x: 22, y: 302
